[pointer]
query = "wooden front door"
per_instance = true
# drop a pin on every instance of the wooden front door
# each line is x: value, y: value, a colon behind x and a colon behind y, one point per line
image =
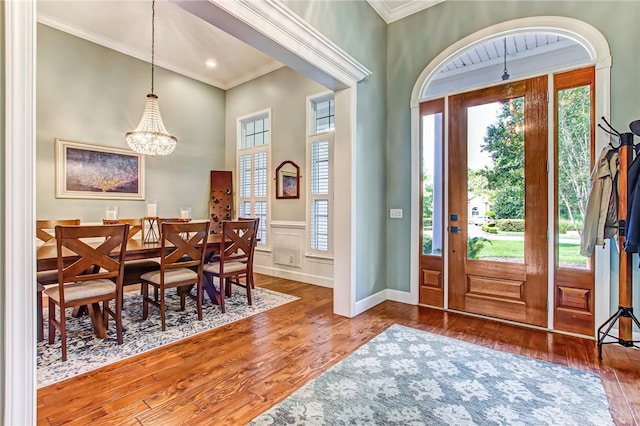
x: 498, y: 148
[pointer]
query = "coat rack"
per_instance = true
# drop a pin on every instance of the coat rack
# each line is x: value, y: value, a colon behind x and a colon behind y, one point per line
x: 624, y: 315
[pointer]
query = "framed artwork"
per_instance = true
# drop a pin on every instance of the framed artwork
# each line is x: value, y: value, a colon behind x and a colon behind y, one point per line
x: 98, y: 172
x: 287, y: 180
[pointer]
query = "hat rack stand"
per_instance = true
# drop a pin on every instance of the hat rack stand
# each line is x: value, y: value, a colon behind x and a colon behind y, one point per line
x: 624, y: 315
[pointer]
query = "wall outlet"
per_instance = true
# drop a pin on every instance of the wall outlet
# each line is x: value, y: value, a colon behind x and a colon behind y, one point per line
x: 395, y: 213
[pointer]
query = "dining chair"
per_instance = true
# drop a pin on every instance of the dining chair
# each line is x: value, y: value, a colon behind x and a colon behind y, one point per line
x: 183, y: 248
x: 255, y: 241
x: 45, y: 232
x: 96, y: 276
x: 236, y: 258
x: 133, y: 269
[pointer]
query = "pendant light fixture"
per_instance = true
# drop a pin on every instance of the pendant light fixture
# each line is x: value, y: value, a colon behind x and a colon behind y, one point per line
x: 151, y: 137
x: 505, y: 75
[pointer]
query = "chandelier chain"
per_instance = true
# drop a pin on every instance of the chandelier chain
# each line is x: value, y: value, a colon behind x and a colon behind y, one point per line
x: 153, y: 39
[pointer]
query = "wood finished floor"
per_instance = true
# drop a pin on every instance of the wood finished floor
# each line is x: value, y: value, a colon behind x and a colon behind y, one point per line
x: 231, y: 374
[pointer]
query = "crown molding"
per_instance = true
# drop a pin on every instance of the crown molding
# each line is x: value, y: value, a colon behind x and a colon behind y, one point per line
x: 392, y: 14
x: 275, y: 30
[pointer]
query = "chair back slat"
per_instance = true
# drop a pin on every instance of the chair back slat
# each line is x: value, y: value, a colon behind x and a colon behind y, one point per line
x: 94, y: 247
x: 183, y: 244
x: 43, y: 226
x: 238, y: 240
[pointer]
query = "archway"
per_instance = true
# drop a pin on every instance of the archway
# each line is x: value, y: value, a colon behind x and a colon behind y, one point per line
x: 598, y: 52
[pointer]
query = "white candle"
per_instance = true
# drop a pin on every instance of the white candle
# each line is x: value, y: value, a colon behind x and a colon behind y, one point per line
x: 152, y: 210
x: 111, y: 215
x: 184, y: 214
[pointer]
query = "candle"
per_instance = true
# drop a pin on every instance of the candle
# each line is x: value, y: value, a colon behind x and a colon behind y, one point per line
x: 184, y: 214
x: 152, y: 210
x: 111, y: 215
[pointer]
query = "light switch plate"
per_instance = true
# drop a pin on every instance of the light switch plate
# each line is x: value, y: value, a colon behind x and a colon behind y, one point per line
x: 395, y: 213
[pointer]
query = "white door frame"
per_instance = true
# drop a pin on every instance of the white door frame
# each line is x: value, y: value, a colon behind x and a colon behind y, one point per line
x: 293, y: 41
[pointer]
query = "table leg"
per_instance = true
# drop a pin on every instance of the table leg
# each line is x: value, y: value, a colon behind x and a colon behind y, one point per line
x: 97, y: 320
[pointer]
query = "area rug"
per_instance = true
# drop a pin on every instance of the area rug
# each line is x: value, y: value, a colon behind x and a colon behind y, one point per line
x: 410, y: 377
x: 86, y: 352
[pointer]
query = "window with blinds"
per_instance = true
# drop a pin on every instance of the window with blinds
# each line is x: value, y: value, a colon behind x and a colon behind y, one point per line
x: 319, y: 150
x: 253, y: 164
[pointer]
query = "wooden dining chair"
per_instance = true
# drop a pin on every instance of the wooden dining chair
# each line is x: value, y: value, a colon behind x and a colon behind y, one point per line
x: 45, y: 232
x: 255, y: 241
x: 183, y: 250
x: 133, y: 269
x: 236, y: 258
x: 96, y: 276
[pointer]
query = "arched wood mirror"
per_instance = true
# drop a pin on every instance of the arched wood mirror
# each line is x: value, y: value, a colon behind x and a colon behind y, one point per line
x: 288, y: 180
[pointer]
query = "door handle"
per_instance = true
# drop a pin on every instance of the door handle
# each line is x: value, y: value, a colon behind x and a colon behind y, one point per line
x: 455, y: 229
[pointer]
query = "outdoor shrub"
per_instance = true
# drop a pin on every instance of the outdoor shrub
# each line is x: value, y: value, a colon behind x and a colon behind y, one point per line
x: 427, y: 244
x: 566, y: 225
x: 510, y: 225
x: 490, y: 228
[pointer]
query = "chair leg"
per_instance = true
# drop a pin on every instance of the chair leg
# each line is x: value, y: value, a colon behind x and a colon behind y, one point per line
x: 164, y: 323
x: 199, y: 297
x: 222, y: 290
x: 40, y: 313
x: 145, y: 302
x: 52, y: 327
x: 248, y: 286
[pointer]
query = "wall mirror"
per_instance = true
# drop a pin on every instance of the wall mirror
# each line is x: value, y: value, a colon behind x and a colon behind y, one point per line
x: 288, y: 180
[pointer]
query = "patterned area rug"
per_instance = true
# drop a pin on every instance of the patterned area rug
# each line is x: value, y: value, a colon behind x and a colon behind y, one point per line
x: 409, y: 377
x: 85, y: 352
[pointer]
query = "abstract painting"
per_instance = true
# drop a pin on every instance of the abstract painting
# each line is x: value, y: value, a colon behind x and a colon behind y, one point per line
x: 98, y: 172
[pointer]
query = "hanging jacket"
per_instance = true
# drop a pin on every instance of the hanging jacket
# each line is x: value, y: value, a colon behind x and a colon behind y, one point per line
x: 601, y: 218
x: 632, y: 228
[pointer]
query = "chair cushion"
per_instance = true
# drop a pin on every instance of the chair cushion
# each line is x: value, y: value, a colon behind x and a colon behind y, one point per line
x: 170, y: 276
x: 229, y: 267
x: 83, y: 290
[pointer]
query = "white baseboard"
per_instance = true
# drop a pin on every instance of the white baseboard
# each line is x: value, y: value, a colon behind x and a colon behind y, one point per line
x: 370, y: 302
x: 293, y: 275
x: 400, y: 296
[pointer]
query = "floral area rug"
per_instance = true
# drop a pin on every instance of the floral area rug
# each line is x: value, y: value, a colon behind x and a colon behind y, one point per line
x: 86, y: 352
x: 410, y: 377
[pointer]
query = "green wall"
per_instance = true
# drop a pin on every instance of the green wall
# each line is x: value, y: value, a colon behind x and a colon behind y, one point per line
x: 413, y: 43
x: 92, y: 94
x: 357, y: 28
x: 284, y: 91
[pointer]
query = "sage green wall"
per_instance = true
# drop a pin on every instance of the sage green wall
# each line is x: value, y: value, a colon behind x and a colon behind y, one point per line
x: 413, y: 43
x: 92, y: 94
x: 285, y: 91
x: 357, y: 28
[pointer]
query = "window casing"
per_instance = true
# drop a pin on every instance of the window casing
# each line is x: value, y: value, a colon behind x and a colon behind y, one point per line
x: 320, y: 171
x: 253, y: 161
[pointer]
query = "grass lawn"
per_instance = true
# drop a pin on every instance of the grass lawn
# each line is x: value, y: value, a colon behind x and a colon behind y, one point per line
x: 569, y: 253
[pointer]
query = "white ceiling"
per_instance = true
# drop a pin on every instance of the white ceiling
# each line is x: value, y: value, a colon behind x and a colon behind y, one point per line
x: 184, y: 42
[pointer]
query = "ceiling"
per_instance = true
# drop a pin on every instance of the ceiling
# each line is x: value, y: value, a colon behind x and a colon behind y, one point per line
x: 183, y: 42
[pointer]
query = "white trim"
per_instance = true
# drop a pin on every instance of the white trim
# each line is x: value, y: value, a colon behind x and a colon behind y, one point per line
x: 381, y: 296
x: 293, y: 275
x: 394, y: 14
x: 597, y: 47
x: 19, y: 333
x: 344, y: 202
x: 288, y: 224
x: 278, y: 32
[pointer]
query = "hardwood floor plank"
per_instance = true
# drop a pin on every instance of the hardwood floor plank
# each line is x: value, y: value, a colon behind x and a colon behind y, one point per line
x: 229, y: 375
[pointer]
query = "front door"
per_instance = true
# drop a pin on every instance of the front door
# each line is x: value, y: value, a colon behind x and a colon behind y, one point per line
x: 498, y: 148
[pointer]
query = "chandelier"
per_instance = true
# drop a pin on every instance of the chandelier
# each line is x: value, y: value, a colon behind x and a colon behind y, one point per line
x: 505, y: 75
x: 151, y: 137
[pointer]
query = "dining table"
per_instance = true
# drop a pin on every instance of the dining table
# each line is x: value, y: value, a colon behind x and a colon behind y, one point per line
x: 47, y: 260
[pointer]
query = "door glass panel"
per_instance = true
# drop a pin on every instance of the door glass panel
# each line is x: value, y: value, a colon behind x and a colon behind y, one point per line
x: 574, y: 159
x: 432, y: 189
x: 495, y: 181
